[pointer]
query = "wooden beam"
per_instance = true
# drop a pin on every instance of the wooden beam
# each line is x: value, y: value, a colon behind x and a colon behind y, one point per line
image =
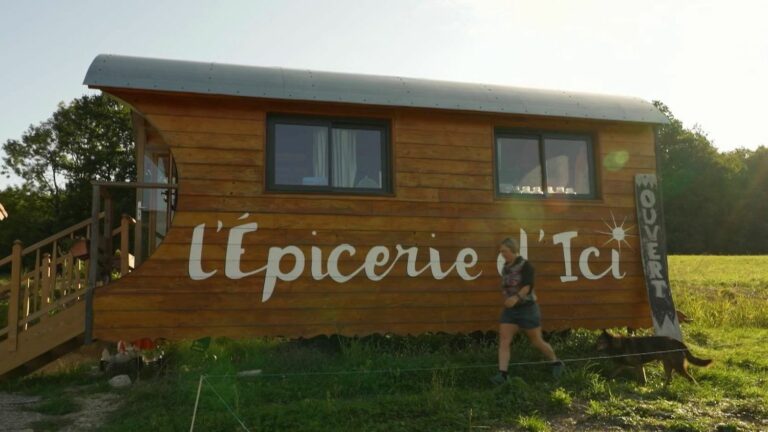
x: 108, y: 251
x: 46, y: 279
x: 13, y: 303
x: 93, y: 263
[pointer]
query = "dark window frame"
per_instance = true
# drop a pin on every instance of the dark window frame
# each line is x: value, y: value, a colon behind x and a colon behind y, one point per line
x: 330, y: 122
x: 541, y: 136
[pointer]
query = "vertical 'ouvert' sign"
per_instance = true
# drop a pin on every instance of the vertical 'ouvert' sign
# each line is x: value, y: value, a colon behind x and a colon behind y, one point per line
x: 654, y: 252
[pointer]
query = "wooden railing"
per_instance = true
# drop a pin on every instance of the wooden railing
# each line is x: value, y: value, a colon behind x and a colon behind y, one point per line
x: 52, y: 274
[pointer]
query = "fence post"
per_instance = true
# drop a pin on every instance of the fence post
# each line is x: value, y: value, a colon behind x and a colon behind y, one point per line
x: 45, y: 284
x: 93, y: 264
x: 54, y: 269
x: 26, y: 301
x: 37, y: 287
x: 106, y: 240
x: 124, y: 252
x: 13, y: 303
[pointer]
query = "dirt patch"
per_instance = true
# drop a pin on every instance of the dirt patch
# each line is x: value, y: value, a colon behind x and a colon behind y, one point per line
x: 94, y: 411
x: 14, y: 414
x: 17, y: 413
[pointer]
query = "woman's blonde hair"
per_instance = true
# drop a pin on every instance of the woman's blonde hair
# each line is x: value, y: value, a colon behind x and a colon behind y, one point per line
x: 511, y: 244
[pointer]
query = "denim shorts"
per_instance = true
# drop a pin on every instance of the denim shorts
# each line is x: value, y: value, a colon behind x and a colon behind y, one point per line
x: 526, y: 316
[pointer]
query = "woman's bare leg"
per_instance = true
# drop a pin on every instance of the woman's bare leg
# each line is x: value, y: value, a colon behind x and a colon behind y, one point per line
x: 507, y: 332
x: 534, y: 335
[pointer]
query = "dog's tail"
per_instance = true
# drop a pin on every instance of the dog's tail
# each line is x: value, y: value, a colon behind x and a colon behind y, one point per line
x: 695, y: 360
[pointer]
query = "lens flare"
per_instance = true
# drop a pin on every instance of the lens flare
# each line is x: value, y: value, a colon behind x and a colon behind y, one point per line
x: 616, y: 160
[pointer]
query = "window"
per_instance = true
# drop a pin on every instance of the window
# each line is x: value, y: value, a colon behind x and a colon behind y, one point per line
x: 544, y: 165
x: 308, y: 154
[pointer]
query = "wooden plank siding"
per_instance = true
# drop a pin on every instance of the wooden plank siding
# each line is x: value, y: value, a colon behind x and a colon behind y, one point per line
x: 443, y: 198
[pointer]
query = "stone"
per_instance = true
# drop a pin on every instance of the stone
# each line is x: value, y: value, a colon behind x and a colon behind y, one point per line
x: 120, y: 381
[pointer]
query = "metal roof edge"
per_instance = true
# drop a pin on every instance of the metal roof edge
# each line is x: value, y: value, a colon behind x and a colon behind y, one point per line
x: 117, y: 71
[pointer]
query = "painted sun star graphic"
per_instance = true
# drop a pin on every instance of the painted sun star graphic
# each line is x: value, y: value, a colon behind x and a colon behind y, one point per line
x: 617, y: 232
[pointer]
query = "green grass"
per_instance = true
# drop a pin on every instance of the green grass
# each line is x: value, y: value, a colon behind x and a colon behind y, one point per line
x: 57, y: 405
x: 732, y: 389
x: 721, y: 291
x: 532, y: 424
x: 51, y: 424
x: 732, y: 394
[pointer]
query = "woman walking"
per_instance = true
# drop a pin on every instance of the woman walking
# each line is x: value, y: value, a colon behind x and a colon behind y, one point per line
x: 520, y: 310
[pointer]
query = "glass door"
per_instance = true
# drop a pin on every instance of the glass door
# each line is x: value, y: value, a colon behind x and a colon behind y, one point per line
x: 154, y: 207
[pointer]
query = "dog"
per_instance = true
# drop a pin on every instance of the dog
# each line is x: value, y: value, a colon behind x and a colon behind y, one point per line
x: 634, y: 352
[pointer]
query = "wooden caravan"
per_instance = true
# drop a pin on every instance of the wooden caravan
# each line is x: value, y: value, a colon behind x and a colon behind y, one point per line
x: 308, y: 203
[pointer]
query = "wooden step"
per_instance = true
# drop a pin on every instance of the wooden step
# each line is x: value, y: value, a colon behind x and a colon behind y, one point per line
x: 55, y: 330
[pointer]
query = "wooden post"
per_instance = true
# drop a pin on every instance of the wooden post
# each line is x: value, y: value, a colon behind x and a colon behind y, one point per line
x: 93, y: 264
x: 26, y: 302
x: 66, y: 274
x: 54, y: 270
x: 125, y: 223
x: 45, y: 283
x: 13, y: 303
x: 36, y: 287
x: 106, y: 252
x: 78, y: 268
x: 70, y: 278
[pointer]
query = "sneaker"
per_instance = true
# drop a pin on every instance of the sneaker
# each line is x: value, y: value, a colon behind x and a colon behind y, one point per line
x: 558, y: 367
x: 498, y: 379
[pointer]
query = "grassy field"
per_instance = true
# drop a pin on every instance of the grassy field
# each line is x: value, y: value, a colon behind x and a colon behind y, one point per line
x: 721, y: 290
x: 726, y: 296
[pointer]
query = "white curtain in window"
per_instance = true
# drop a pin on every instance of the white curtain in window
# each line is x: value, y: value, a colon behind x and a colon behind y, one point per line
x: 558, y: 171
x: 582, y: 171
x: 532, y: 178
x: 320, y: 154
x: 344, y: 157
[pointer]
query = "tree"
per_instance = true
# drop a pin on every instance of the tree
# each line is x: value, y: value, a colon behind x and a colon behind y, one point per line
x: 748, y: 217
x: 88, y: 139
x: 691, y: 177
x: 713, y: 202
x: 29, y: 218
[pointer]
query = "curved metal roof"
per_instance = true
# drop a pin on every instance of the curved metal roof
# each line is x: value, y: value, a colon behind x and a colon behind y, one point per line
x: 294, y: 84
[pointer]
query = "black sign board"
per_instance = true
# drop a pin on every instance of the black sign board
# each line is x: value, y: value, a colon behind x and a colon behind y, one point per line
x: 653, y: 248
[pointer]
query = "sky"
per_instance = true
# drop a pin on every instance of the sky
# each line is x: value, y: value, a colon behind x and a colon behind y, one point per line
x: 707, y: 60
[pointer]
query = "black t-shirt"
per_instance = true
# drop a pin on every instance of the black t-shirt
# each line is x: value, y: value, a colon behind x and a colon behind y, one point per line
x: 516, y: 275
